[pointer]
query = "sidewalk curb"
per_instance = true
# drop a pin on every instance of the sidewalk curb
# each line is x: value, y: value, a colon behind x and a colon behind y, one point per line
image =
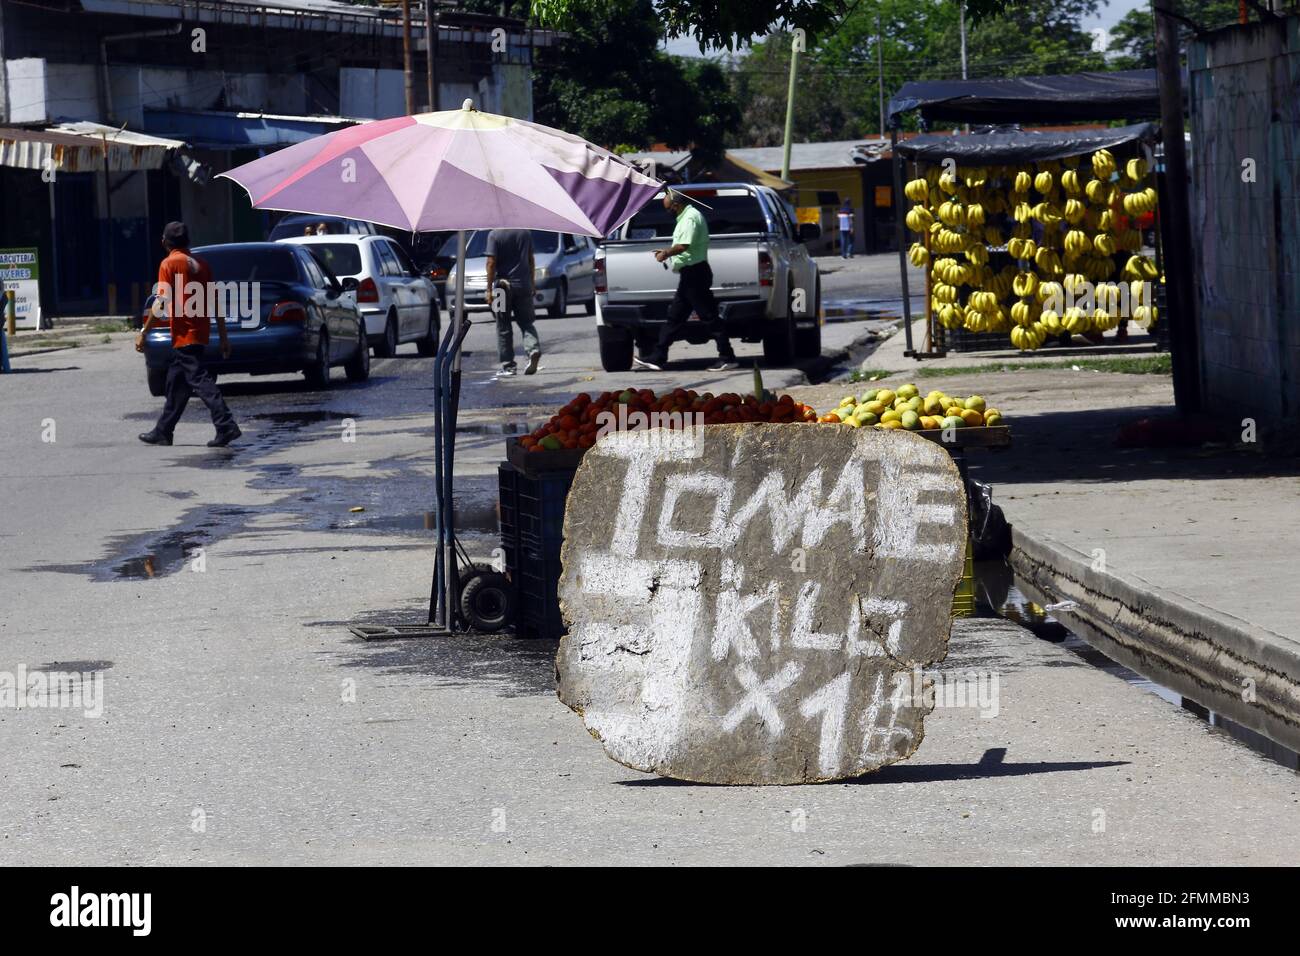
x: 1173, y: 639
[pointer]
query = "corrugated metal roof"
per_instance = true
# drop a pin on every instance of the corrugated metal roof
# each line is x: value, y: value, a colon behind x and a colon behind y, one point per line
x: 830, y: 155
x: 82, y: 147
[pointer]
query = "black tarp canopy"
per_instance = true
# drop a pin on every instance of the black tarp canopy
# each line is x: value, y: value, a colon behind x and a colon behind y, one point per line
x: 1124, y: 94
x: 977, y: 149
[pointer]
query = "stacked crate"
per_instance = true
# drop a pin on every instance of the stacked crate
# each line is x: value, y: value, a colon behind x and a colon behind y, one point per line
x: 532, y: 530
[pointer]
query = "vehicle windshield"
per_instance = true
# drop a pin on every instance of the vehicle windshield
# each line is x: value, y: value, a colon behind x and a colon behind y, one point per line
x: 476, y: 247
x: 340, y: 258
x: 732, y: 211
x: 298, y: 226
x: 250, y: 263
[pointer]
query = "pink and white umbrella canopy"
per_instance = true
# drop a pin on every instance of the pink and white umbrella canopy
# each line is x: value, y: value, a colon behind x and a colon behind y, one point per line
x: 456, y: 169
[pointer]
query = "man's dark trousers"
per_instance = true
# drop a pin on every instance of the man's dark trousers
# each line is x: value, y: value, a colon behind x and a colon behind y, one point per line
x: 694, y: 294
x: 186, y: 377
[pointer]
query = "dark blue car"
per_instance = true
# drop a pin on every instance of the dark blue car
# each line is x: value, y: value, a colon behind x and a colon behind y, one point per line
x: 284, y: 313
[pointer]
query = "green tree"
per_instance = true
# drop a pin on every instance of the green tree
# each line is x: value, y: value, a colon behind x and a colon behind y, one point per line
x: 1133, y: 37
x: 839, y: 82
x: 608, y: 81
x: 714, y: 23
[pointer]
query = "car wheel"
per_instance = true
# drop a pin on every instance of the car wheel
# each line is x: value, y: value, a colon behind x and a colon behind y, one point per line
x: 317, y: 373
x: 428, y: 344
x: 157, y: 381
x: 387, y: 346
x: 358, y: 367
x: 777, y: 344
x: 591, y: 306
x: 615, y: 349
x: 808, y: 342
x: 561, y: 304
x: 487, y: 602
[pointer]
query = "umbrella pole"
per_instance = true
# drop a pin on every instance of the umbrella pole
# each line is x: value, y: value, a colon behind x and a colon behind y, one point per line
x: 450, y: 402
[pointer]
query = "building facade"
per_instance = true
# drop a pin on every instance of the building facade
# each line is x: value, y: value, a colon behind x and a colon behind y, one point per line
x: 198, y: 88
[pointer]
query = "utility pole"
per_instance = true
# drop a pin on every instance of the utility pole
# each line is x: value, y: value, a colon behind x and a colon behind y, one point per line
x: 1176, y: 227
x: 880, y: 73
x: 408, y: 74
x: 796, y: 45
x: 430, y: 51
x: 961, y: 24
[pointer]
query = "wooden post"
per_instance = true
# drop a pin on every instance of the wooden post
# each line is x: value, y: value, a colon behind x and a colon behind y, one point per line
x: 1176, y: 236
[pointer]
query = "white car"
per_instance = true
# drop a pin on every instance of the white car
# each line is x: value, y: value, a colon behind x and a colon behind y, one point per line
x: 565, y: 271
x: 397, y: 303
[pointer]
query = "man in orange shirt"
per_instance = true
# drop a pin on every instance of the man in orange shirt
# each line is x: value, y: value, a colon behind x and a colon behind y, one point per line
x: 183, y: 281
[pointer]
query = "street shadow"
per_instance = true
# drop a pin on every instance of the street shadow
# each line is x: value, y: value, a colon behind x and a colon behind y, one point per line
x: 511, y: 666
x: 27, y: 371
x: 992, y: 764
x: 1082, y: 447
x: 298, y: 386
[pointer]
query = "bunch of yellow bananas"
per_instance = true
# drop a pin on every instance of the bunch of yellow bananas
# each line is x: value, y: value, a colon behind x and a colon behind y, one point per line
x: 1022, y: 248
x: 918, y: 255
x: 1104, y: 244
x: 1043, y: 182
x: 918, y: 190
x: 1136, y: 169
x: 918, y: 219
x: 985, y: 302
x: 1074, y: 211
x: 1048, y: 262
x: 974, y: 215
x: 1023, y: 182
x: 1077, y: 242
x: 1023, y: 313
x: 945, y: 240
x: 942, y: 292
x: 978, y: 253
x: 1076, y: 321
x: 948, y: 183
x: 952, y: 272
x: 1025, y: 283
x: 1135, y: 204
x: 1140, y: 267
x: 1103, y: 164
x: 1070, y: 182
x: 1145, y: 315
x: 1046, y: 213
x: 1029, y: 338
x: 1050, y: 294
x: 951, y: 317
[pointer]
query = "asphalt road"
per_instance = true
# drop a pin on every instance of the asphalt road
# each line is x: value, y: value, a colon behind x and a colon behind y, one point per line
x: 241, y: 721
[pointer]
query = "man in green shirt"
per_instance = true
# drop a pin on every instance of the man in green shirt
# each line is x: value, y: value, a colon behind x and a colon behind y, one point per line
x: 689, y: 258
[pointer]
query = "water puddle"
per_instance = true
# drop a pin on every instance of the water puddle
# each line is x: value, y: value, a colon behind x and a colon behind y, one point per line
x: 998, y: 595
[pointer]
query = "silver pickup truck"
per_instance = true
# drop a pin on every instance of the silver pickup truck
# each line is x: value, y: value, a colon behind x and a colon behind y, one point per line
x: 765, y: 281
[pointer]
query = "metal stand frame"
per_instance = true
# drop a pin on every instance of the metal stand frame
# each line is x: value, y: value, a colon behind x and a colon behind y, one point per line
x: 901, y: 229
x: 444, y: 598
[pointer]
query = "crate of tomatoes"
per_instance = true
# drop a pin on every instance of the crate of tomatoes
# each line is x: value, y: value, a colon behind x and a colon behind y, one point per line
x: 560, y: 443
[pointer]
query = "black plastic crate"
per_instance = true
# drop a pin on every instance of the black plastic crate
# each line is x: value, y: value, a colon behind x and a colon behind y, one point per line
x: 532, y: 532
x: 964, y: 340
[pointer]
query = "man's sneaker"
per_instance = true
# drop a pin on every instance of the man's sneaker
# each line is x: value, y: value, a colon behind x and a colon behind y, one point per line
x: 225, y: 437
x: 534, y: 357
x: 638, y: 362
x: 724, y: 365
x: 153, y: 438
x: 506, y: 371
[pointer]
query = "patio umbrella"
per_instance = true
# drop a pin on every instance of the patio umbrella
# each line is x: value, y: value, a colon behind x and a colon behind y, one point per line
x: 456, y: 169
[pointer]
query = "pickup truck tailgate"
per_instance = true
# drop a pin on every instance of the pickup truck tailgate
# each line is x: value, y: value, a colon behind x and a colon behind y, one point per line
x: 634, y: 276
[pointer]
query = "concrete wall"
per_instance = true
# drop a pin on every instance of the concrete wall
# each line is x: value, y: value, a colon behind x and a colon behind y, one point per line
x: 1245, y: 106
x: 371, y: 94
x: 45, y: 92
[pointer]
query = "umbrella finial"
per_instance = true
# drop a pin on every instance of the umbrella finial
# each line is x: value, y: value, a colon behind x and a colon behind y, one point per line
x: 468, y: 104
